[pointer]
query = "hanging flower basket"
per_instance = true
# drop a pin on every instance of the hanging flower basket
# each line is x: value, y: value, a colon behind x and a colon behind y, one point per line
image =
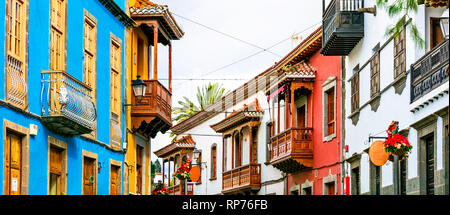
x: 397, y: 144
x: 184, y: 172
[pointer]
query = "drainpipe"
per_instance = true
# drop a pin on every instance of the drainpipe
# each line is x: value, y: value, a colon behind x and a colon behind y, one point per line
x: 342, y: 104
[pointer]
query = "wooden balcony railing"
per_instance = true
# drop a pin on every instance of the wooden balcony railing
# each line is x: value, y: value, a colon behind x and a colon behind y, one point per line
x: 295, y: 143
x: 343, y: 26
x: 66, y: 104
x: 429, y: 71
x: 176, y: 189
x: 240, y: 178
x: 156, y: 103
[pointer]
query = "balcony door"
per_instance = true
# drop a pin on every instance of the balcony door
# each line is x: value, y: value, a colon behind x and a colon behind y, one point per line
x: 301, y: 116
x: 237, y: 150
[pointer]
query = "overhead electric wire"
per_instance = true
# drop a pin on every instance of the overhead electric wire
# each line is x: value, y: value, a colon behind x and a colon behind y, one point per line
x: 228, y: 35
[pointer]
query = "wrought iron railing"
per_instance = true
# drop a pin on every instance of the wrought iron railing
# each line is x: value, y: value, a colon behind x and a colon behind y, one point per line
x: 241, y: 177
x: 429, y: 71
x: 63, y: 95
x: 17, y: 87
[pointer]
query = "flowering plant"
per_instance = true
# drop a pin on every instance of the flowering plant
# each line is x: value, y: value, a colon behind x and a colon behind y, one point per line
x: 161, y: 190
x: 184, y: 172
x: 397, y: 144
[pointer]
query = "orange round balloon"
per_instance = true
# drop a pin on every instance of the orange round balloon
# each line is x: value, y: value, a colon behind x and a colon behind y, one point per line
x: 195, y: 173
x: 378, y: 156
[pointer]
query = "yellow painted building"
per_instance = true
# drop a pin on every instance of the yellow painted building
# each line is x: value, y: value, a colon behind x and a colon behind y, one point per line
x: 150, y: 114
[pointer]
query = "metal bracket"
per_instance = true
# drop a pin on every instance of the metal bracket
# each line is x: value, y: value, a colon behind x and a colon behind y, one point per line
x: 372, y: 137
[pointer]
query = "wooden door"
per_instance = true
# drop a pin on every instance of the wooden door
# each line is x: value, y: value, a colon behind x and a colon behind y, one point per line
x: 89, y: 178
x: 55, y: 171
x: 330, y: 188
x: 301, y: 115
x: 13, y: 164
x: 139, y: 159
x: 114, y: 186
x: 429, y: 163
x: 436, y: 33
x: 254, y: 148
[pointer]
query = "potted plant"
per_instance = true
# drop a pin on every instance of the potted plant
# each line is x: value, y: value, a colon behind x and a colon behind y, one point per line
x: 161, y: 190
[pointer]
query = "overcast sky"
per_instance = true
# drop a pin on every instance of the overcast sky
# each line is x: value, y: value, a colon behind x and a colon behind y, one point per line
x: 201, y: 51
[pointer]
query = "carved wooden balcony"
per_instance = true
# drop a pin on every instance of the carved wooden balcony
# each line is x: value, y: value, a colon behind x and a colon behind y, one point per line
x: 430, y: 71
x: 154, y: 112
x: 177, y: 189
x: 343, y: 27
x: 292, y: 149
x: 66, y: 104
x: 243, y: 178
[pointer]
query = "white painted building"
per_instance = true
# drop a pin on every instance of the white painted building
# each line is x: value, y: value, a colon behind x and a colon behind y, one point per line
x: 375, y: 97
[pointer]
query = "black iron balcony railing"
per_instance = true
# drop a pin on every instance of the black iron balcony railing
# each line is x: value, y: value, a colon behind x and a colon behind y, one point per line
x: 66, y: 104
x: 429, y: 72
x: 343, y: 26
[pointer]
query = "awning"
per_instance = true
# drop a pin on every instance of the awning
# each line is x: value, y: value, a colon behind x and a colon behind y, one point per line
x: 280, y: 90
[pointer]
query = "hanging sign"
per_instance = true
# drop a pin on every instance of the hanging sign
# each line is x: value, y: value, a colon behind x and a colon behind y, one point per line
x: 195, y: 173
x: 377, y: 154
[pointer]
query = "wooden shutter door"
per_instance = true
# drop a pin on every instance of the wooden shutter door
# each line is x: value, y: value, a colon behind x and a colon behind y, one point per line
x: 114, y: 180
x: 429, y: 165
x: 88, y: 176
x: 15, y: 164
x: 55, y: 171
x: 330, y: 188
x: 139, y: 169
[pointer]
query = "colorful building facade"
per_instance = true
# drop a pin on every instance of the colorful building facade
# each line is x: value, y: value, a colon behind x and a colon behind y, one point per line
x: 146, y: 116
x: 60, y: 100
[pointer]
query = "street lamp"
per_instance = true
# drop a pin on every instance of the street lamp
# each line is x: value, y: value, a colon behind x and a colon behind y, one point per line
x: 139, y: 88
x: 444, y: 23
x: 195, y: 155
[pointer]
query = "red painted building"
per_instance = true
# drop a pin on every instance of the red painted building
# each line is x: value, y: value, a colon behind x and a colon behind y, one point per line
x: 306, y: 117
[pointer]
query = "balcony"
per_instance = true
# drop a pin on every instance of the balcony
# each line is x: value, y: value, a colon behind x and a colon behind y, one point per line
x: 241, y: 179
x: 66, y: 104
x: 343, y: 27
x: 292, y: 150
x: 176, y: 189
x: 154, y: 112
x: 429, y: 72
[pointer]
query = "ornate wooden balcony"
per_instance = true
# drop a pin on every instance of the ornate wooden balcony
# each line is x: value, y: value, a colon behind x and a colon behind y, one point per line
x: 292, y: 149
x: 343, y: 27
x: 243, y: 178
x: 66, y: 104
x: 177, y: 189
x: 154, y: 112
x: 429, y: 72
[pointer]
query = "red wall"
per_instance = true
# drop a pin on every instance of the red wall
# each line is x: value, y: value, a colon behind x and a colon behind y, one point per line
x: 326, y: 154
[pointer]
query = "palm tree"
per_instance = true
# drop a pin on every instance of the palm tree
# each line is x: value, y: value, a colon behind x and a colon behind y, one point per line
x: 403, y: 8
x: 206, y: 95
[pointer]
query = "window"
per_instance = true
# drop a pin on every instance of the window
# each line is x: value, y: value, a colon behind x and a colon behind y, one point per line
x: 268, y: 140
x: 57, y: 34
x: 436, y: 36
x: 329, y: 108
x: 90, y: 57
x: 375, y: 74
x: 400, y: 54
x: 116, y: 80
x: 355, y: 92
x: 16, y: 40
x: 330, y: 111
x: 213, y: 162
x: 199, y: 161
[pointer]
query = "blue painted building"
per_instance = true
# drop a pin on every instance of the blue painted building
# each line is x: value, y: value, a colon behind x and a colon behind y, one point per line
x: 61, y: 95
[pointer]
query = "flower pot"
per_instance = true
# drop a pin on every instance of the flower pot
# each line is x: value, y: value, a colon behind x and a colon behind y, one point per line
x: 398, y: 152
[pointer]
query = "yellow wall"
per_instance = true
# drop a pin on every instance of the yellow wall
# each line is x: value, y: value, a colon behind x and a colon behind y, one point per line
x: 132, y: 49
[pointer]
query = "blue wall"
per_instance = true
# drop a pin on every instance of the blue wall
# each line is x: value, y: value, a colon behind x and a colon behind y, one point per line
x: 38, y: 60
